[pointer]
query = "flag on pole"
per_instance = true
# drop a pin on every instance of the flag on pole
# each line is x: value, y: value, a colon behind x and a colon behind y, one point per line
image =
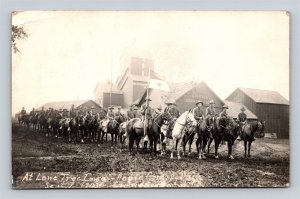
x: 159, y: 84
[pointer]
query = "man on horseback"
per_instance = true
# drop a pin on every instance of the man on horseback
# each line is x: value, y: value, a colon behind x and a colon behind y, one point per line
x: 118, y: 113
x: 242, y: 121
x: 65, y: 113
x: 23, y: 111
x: 32, y: 113
x: 130, y: 113
x: 72, y: 111
x: 157, y: 111
x: 198, y: 114
x: 171, y: 109
x: 43, y: 111
x: 211, y: 114
x: 223, y: 115
x: 109, y: 116
x: 146, y: 112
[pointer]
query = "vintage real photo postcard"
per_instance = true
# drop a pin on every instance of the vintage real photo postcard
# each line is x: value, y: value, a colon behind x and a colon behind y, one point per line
x: 150, y: 99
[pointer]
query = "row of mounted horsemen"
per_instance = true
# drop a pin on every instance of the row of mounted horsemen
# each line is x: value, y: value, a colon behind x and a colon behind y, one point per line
x: 152, y: 125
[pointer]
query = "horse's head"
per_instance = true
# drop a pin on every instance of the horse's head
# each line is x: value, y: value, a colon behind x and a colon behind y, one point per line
x: 190, y: 117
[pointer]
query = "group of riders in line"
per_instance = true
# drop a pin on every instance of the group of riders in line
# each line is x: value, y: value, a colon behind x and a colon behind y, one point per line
x: 146, y: 115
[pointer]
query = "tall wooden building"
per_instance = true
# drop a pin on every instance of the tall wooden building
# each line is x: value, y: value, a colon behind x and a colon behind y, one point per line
x: 137, y: 69
x: 268, y: 106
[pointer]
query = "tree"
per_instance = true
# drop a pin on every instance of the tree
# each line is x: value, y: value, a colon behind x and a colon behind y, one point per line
x: 17, y: 34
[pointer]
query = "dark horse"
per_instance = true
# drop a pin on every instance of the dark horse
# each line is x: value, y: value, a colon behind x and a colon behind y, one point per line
x: 203, y: 136
x: 34, y: 121
x: 249, y: 130
x: 155, y: 130
x: 224, y: 129
x: 135, y: 131
x: 113, y: 130
x: 24, y: 120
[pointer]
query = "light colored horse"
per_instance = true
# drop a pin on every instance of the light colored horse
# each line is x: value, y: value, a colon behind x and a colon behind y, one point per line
x: 178, y: 131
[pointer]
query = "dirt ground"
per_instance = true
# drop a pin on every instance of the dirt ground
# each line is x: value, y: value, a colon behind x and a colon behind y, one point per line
x: 48, y: 162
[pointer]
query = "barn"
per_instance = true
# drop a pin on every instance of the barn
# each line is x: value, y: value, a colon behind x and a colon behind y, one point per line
x: 268, y: 106
x: 185, y: 94
x: 80, y: 104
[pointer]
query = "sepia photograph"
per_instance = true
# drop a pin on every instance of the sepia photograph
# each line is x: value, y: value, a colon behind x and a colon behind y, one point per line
x: 150, y: 99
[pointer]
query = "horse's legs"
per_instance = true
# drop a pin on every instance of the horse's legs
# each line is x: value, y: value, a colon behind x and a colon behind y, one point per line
x: 130, y: 145
x: 116, y: 139
x: 190, y: 144
x: 155, y: 146
x: 197, y: 146
x: 208, y: 145
x: 245, y: 147
x: 217, y: 143
x: 183, y: 147
x: 178, y: 150
x: 138, y: 145
x: 174, y: 147
x: 204, y: 142
x: 229, y: 144
x: 151, y: 145
x: 200, y: 148
x: 112, y: 138
x: 249, y: 147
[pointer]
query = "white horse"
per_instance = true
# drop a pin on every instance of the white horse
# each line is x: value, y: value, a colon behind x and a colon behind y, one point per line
x: 178, y: 130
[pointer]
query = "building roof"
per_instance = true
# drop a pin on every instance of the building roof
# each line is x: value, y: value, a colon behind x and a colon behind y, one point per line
x: 105, y: 87
x: 235, y: 109
x: 63, y: 104
x: 264, y: 96
x: 177, y: 90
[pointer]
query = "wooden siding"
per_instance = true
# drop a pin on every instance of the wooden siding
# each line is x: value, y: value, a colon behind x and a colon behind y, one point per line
x: 276, y: 117
x: 138, y: 90
x: 200, y: 92
x: 127, y: 90
x: 116, y: 100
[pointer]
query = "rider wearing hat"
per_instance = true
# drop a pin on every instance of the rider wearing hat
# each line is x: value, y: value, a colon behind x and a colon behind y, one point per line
x: 157, y: 111
x: 72, y: 111
x: 130, y: 113
x: 119, y: 114
x: 146, y: 112
x: 198, y: 113
x: 23, y: 111
x: 224, y: 115
x: 242, y: 120
x: 110, y: 114
x: 210, y: 114
x: 171, y: 109
x: 32, y: 113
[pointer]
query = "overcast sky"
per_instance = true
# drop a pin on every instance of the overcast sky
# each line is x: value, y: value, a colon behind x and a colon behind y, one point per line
x: 66, y: 53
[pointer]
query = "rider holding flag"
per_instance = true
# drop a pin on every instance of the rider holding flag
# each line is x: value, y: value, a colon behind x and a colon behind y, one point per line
x: 146, y: 112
